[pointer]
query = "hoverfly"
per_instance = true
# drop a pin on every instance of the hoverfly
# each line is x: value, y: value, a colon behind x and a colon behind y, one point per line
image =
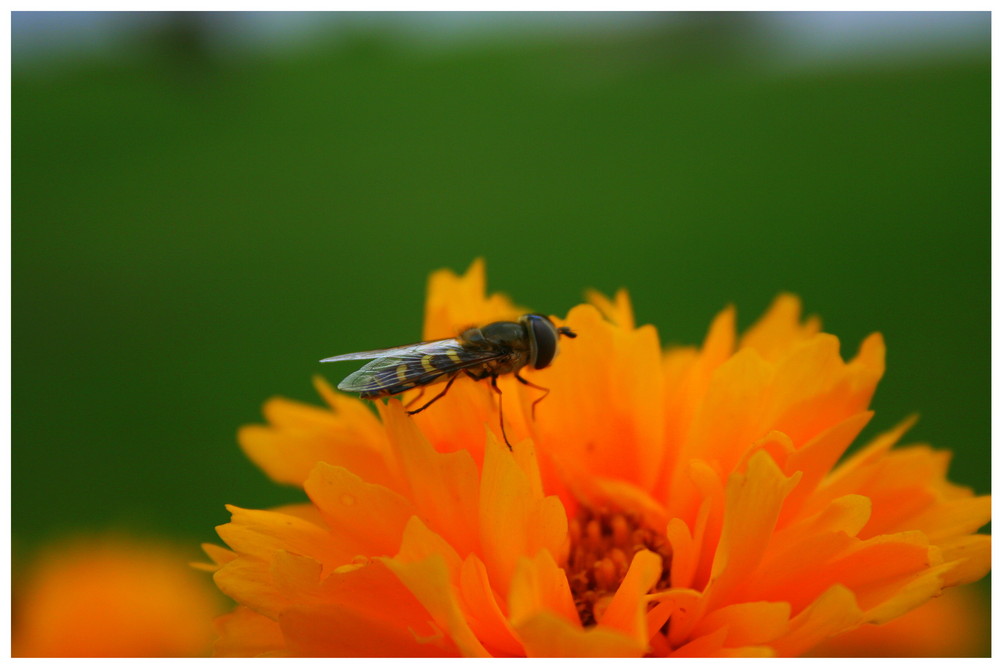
x: 480, y: 353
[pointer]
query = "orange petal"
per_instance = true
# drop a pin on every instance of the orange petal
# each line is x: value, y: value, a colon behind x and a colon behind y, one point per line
x: 246, y: 634
x: 618, y: 311
x: 951, y: 519
x: 969, y: 556
x: 627, y: 610
x: 260, y: 533
x: 785, y: 569
x: 873, y: 569
x: 420, y: 542
x: 526, y: 458
x: 853, y: 473
x: 296, y: 575
x: 366, y: 518
x: 709, y: 518
x: 845, y: 516
x: 685, y: 554
x: 747, y: 652
x: 954, y: 625
x: 727, y: 423
x: 248, y: 582
x: 467, y: 414
x: 548, y: 635
x: 814, y: 389
x: 299, y: 435
x: 779, y: 329
x: 368, y: 612
x: 455, y: 303
x: 513, y: 523
x: 816, y: 458
x: 777, y: 445
x: 218, y: 555
x: 593, y: 408
x: 703, y: 647
x: 443, y: 488
x: 687, y: 610
x: 111, y: 595
x: 539, y: 586
x: 748, y: 624
x: 753, y: 503
x: 484, y: 614
x: 906, y: 486
x: 332, y: 631
x: 884, y: 601
x: 833, y: 612
x: 354, y: 411
x: 429, y: 568
x: 624, y: 496
x: 687, y: 376
x: 657, y: 616
x: 263, y: 540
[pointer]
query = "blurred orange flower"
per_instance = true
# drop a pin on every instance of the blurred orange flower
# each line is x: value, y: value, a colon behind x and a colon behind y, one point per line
x: 679, y: 503
x: 113, y: 596
x: 954, y: 625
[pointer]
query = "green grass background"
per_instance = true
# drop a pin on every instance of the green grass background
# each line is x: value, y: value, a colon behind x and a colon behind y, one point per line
x: 192, y: 233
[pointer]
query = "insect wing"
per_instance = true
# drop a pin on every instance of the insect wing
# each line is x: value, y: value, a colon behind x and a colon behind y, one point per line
x: 372, y: 354
x: 401, y: 368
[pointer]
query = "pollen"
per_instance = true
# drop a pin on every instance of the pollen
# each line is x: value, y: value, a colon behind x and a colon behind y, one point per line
x: 602, y: 545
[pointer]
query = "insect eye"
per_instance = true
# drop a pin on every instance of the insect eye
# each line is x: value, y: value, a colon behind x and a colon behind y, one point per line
x: 546, y: 340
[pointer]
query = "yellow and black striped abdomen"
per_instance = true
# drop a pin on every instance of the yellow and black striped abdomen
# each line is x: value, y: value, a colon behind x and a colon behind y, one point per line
x: 415, y: 366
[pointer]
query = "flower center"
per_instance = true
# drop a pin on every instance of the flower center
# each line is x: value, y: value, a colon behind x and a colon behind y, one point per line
x: 602, y: 545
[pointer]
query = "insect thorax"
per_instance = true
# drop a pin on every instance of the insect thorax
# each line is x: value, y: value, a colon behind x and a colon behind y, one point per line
x: 510, y: 339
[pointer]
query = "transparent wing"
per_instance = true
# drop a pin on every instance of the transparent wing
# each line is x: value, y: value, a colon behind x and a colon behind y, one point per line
x: 399, y: 369
x: 402, y: 349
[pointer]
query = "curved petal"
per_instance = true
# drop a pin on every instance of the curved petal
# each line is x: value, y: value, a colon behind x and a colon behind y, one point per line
x: 753, y: 503
x: 244, y: 633
x: 442, y: 487
x: 458, y: 302
x: 548, y: 635
x: 298, y: 436
x: 618, y: 311
x: 780, y: 329
x: 512, y: 522
x: 831, y: 613
x: 429, y: 568
x: 366, y: 518
x: 539, y: 586
x: 627, y: 610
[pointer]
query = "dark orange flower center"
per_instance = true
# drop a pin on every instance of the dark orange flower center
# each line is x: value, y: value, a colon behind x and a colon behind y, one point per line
x: 602, y: 545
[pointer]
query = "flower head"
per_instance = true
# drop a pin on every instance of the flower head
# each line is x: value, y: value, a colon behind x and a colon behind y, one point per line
x: 685, y: 503
x: 112, y: 596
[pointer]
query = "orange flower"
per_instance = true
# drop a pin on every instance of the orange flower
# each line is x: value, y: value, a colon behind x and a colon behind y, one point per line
x: 955, y: 625
x: 113, y: 596
x: 682, y: 503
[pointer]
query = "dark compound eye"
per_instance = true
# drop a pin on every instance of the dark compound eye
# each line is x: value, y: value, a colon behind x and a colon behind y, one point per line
x: 546, y: 340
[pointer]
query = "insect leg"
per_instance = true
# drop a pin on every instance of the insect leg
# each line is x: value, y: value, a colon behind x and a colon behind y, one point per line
x: 416, y: 398
x: 428, y: 403
x: 493, y: 383
x: 531, y: 384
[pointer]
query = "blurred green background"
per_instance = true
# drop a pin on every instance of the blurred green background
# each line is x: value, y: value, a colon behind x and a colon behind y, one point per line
x: 204, y: 205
